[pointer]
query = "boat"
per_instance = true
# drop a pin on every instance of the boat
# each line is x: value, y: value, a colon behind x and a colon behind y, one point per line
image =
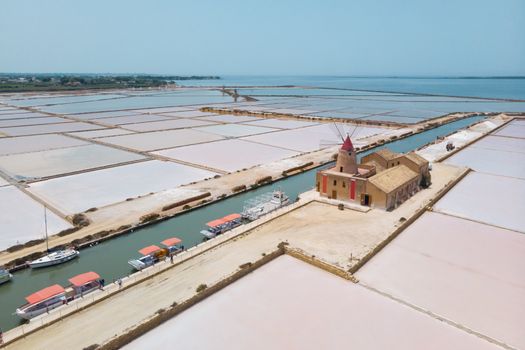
x: 83, y: 284
x: 42, y: 301
x: 174, y: 245
x: 53, y: 257
x: 264, y: 204
x: 5, y: 276
x: 218, y: 226
x: 151, y: 255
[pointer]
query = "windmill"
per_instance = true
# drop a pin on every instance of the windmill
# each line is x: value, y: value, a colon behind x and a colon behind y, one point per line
x: 341, y: 132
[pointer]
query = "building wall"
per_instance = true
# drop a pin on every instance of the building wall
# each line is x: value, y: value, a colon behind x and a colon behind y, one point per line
x: 378, y: 198
x: 420, y: 169
x: 344, y: 187
x: 391, y: 200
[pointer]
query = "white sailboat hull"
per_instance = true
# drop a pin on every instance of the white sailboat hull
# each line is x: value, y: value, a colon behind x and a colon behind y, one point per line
x: 54, y: 258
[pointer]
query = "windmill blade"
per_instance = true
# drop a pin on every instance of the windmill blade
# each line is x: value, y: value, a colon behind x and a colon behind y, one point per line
x: 338, y: 130
x: 353, y: 131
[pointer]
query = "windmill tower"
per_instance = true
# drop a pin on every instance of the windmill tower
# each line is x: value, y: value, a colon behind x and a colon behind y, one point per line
x: 346, y: 158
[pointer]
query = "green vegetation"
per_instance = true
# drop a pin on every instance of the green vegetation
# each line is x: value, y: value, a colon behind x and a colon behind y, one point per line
x: 52, y: 82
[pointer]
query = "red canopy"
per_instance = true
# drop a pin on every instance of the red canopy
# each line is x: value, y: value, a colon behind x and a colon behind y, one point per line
x: 215, y: 223
x: 149, y: 250
x: 44, y: 294
x: 84, y: 278
x: 171, y: 241
x: 231, y: 217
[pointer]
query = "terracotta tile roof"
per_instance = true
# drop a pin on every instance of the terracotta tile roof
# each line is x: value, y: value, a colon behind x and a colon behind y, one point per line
x: 416, y: 158
x: 391, y: 179
x: 387, y: 154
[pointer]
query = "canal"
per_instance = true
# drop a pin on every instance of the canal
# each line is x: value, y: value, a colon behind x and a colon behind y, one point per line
x: 109, y: 258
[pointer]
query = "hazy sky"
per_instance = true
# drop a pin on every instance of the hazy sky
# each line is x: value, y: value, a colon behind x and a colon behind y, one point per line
x: 361, y: 37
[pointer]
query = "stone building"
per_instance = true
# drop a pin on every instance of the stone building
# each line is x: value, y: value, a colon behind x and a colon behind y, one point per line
x: 383, y: 179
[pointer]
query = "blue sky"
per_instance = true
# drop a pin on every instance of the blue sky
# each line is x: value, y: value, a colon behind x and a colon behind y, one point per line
x: 287, y: 37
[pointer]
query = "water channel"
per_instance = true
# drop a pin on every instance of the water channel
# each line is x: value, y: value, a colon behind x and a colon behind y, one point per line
x: 109, y: 259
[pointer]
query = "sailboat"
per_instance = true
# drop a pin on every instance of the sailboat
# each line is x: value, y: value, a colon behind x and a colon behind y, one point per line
x: 53, y: 257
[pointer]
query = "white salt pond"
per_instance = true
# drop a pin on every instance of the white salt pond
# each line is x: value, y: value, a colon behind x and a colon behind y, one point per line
x: 157, y: 140
x: 23, y: 144
x: 492, y: 161
x: 236, y: 130
x: 131, y: 119
x: 228, y: 155
x: 167, y: 124
x: 495, y: 200
x: 49, y: 128
x: 281, y: 123
x: 22, y: 218
x: 512, y: 130
x: 466, y: 272
x: 101, y: 133
x: 312, y: 138
x: 288, y: 304
x: 32, y: 121
x: 508, y: 144
x: 77, y: 193
x: 40, y: 164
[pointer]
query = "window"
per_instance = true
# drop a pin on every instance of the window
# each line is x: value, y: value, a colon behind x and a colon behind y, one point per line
x: 335, y: 182
x: 341, y: 169
x: 344, y: 184
x: 398, y: 162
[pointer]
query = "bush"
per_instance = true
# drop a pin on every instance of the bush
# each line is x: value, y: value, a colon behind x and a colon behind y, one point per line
x: 149, y: 217
x: 239, y: 188
x: 15, y: 248
x: 92, y: 347
x: 245, y: 265
x: 80, y: 220
x: 68, y: 231
x: 33, y: 242
x: 186, y: 207
x: 264, y: 180
x: 91, y: 210
x: 201, y: 288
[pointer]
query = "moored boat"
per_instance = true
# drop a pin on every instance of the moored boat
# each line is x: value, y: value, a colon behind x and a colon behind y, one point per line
x: 83, y: 284
x: 42, y: 301
x: 174, y: 245
x: 264, y: 204
x: 218, y: 226
x: 54, y: 258
x: 5, y: 276
x: 151, y: 255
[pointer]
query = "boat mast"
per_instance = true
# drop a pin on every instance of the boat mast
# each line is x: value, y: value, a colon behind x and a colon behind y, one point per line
x: 45, y: 224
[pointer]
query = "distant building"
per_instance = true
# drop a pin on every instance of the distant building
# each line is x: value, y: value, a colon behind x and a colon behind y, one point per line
x: 383, y: 179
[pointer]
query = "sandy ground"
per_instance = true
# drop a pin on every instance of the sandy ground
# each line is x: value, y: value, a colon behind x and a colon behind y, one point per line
x: 300, y: 228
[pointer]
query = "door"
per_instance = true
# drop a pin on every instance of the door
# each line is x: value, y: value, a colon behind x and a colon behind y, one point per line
x: 365, y: 199
x: 334, y: 194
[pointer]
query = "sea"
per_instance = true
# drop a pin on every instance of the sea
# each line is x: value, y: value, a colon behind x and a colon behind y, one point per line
x: 512, y: 88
